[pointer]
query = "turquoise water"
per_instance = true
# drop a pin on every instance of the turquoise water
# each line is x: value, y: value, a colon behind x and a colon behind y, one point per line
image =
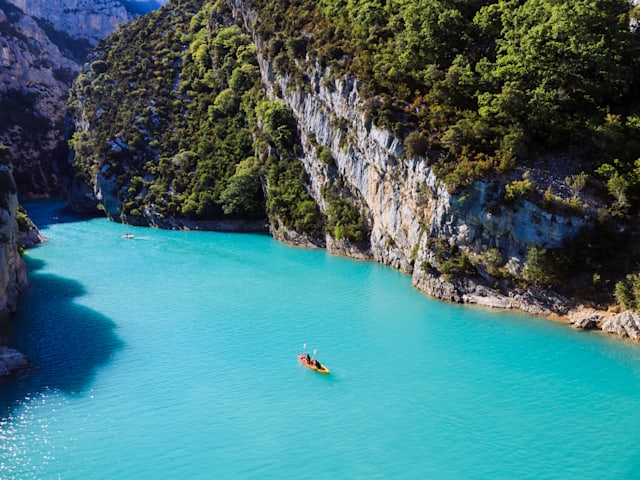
x: 173, y: 355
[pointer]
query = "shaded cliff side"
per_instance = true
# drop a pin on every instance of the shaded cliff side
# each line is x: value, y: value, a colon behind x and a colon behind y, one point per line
x: 13, y: 272
x: 34, y: 80
x: 42, y: 46
x: 15, y: 228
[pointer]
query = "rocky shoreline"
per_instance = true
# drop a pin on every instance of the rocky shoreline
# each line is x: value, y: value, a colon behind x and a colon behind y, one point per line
x: 623, y: 324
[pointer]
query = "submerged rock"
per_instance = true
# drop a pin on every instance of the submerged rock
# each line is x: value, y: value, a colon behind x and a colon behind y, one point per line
x: 12, y: 361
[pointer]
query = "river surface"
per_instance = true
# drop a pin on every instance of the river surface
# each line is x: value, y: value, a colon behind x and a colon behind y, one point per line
x: 172, y: 355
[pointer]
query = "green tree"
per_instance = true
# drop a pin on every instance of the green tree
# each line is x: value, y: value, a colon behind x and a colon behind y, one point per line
x: 243, y: 194
x: 627, y: 292
x: 277, y: 122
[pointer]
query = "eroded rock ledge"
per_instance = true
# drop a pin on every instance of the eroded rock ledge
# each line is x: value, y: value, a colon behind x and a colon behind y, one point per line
x: 624, y: 324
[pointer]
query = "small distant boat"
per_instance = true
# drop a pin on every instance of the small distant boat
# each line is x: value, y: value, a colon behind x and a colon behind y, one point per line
x: 312, y: 364
x: 128, y: 235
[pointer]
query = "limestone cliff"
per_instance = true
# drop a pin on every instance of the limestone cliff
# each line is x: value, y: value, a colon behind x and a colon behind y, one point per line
x: 411, y: 211
x: 42, y: 45
x: 89, y: 20
x: 408, y: 207
x: 34, y: 81
x: 13, y: 273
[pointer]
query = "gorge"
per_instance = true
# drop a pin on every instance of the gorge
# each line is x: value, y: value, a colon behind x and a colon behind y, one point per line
x: 241, y: 116
x: 375, y: 187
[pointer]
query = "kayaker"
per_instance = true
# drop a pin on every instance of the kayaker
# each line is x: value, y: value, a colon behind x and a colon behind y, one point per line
x: 308, y: 358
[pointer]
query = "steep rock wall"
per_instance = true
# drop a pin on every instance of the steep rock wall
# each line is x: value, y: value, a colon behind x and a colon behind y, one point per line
x: 82, y: 19
x: 407, y: 205
x: 34, y: 81
x: 42, y: 44
x: 13, y: 274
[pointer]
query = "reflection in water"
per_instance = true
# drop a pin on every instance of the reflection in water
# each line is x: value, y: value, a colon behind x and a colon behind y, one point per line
x: 48, y: 212
x: 66, y: 342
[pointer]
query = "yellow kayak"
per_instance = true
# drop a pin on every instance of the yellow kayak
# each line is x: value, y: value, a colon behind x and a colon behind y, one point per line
x: 312, y: 364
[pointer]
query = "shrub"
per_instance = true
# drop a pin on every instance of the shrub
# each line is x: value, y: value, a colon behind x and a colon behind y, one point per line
x: 243, y: 194
x: 24, y: 222
x: 288, y: 202
x: 546, y: 268
x: 345, y: 220
x: 277, y: 122
x: 627, y: 292
x: 416, y: 145
x: 452, y: 262
x: 517, y: 190
x: 325, y: 156
x: 99, y: 66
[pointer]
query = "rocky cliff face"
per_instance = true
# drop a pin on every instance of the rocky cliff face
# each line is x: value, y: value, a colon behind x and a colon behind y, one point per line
x: 467, y: 245
x: 42, y: 44
x: 13, y: 275
x: 408, y: 207
x: 34, y: 81
x: 82, y: 19
x: 410, y: 210
x: 89, y: 20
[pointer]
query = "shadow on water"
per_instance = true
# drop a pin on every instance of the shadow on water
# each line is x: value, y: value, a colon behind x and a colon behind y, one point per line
x: 48, y: 212
x: 66, y: 342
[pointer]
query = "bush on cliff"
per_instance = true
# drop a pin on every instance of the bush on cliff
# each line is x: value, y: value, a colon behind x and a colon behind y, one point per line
x: 628, y: 292
x: 345, y: 220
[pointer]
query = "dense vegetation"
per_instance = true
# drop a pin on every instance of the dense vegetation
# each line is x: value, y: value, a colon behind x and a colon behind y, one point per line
x: 485, y: 83
x: 289, y: 204
x: 174, y: 103
x: 170, y: 103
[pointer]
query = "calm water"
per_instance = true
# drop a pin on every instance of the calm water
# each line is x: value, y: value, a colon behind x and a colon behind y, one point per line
x: 173, y: 356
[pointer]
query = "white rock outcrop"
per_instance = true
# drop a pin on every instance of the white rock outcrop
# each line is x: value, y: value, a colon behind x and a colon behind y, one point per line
x: 90, y: 20
x: 625, y: 324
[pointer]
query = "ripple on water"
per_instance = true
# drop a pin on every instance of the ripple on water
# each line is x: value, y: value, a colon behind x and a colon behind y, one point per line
x: 173, y: 355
